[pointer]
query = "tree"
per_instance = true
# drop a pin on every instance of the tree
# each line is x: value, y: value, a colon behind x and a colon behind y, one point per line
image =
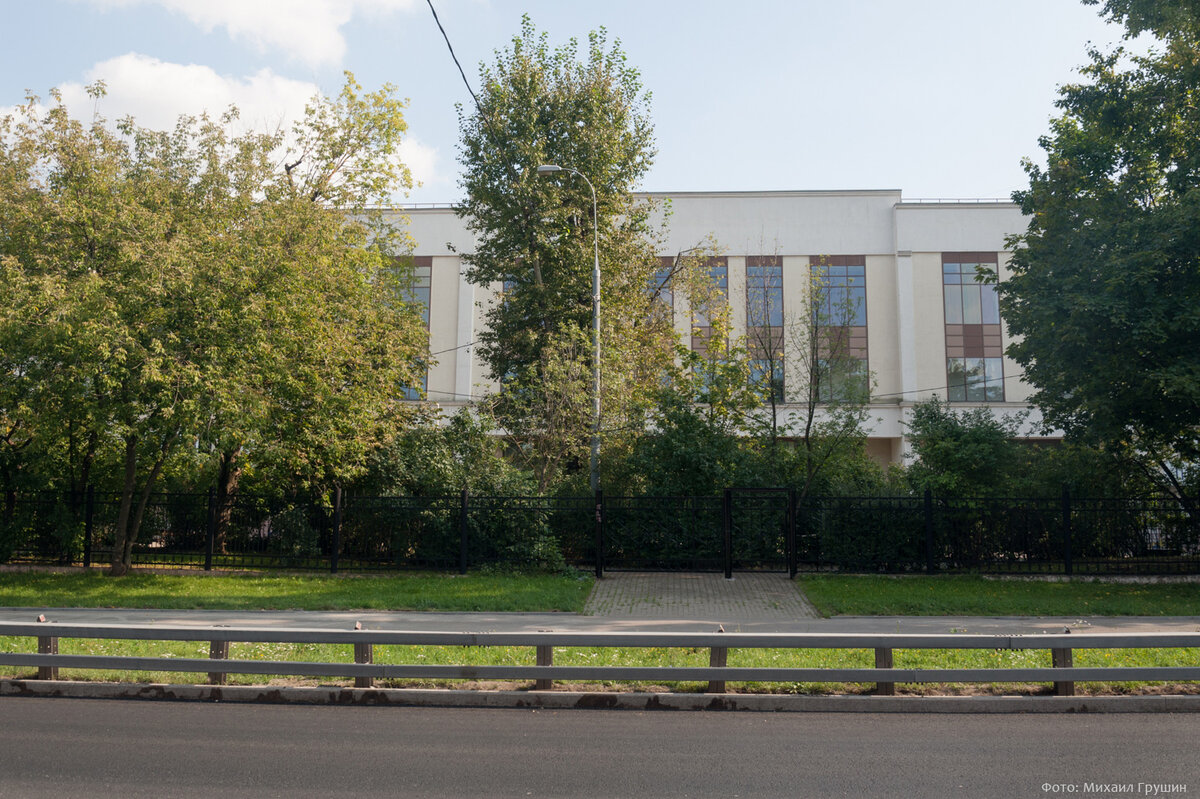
x: 814, y: 360
x: 968, y: 453
x: 1104, y: 297
x: 186, y: 292
x: 535, y: 236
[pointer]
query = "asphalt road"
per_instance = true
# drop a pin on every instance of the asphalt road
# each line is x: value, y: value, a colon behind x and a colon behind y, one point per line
x: 98, y: 748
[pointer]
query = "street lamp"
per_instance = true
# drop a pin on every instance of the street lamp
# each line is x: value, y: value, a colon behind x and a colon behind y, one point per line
x: 549, y: 169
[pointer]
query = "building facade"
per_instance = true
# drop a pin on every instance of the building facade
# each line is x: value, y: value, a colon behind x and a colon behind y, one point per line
x: 902, y: 271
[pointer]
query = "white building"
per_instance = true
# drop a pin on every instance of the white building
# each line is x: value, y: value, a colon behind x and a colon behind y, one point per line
x: 928, y: 329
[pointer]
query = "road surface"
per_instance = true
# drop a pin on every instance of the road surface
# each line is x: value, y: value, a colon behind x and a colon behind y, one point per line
x: 99, y: 748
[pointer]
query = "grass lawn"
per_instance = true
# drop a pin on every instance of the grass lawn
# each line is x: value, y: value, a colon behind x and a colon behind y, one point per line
x: 977, y: 596
x: 472, y: 592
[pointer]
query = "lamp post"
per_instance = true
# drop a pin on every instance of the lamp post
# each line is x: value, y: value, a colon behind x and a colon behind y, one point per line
x: 549, y: 169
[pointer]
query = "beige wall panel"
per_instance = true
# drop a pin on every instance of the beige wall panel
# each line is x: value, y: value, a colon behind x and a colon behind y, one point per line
x: 1015, y: 389
x: 795, y: 310
x: 883, y: 327
x: 763, y: 223
x: 483, y: 383
x: 930, y: 324
x: 736, y: 292
x: 945, y: 227
x: 443, y: 327
x: 881, y: 450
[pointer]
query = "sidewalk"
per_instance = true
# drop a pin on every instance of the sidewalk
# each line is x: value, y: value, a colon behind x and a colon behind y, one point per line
x: 635, y: 602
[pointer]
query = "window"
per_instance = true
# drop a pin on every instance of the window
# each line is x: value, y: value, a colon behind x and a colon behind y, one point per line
x: 766, y: 374
x: 840, y: 291
x: 659, y: 285
x: 842, y: 380
x: 418, y: 294
x: 702, y: 312
x: 764, y: 324
x: 764, y: 292
x: 839, y: 318
x: 974, y: 351
x: 975, y: 379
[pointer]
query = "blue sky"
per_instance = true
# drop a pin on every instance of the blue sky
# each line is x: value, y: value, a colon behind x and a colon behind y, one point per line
x: 939, y: 98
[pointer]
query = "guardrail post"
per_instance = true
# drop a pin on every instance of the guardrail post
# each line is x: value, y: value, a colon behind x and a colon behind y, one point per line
x: 727, y: 532
x: 47, y: 645
x: 337, y: 530
x: 210, y: 532
x: 718, y: 657
x: 463, y: 501
x: 89, y: 506
x: 1066, y: 518
x: 883, y: 660
x: 929, y: 564
x: 545, y: 657
x: 599, y: 533
x: 1062, y: 659
x: 217, y: 650
x: 364, y: 653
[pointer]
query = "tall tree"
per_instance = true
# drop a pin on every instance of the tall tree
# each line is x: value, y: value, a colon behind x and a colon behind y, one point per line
x: 1104, y: 297
x: 534, y: 235
x: 192, y: 288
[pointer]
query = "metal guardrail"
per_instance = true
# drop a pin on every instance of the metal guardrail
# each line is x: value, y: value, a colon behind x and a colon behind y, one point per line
x: 1062, y: 673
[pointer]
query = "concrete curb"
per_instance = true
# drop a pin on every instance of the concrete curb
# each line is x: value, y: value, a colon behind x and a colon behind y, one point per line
x: 567, y: 700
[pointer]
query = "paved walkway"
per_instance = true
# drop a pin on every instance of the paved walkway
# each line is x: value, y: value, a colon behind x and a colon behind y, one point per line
x: 705, y: 597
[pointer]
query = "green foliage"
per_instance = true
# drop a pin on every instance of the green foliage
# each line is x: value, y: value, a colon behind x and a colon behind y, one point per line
x: 968, y: 453
x: 442, y: 458
x: 583, y: 109
x: 182, y: 295
x: 1104, y: 297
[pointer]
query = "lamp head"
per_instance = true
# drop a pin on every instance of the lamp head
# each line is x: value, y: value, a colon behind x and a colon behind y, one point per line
x: 547, y: 169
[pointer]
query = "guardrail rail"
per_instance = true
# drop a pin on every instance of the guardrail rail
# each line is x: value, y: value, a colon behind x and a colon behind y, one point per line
x: 543, y: 673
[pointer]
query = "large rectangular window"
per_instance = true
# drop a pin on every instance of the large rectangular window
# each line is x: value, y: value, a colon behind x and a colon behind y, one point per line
x: 974, y: 350
x: 418, y: 294
x: 764, y: 324
x: 838, y: 299
x: 704, y: 310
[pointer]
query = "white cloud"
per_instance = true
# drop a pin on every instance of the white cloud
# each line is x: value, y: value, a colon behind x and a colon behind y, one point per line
x: 156, y: 93
x: 306, y: 30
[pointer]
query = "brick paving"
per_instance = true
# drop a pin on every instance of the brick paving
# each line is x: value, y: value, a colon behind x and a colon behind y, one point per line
x: 749, y: 597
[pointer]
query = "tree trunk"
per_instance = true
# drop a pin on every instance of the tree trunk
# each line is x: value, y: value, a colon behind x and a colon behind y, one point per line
x: 227, y: 483
x: 122, y: 544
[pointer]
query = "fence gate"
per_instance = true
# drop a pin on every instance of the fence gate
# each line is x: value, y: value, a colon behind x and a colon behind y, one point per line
x: 760, y: 530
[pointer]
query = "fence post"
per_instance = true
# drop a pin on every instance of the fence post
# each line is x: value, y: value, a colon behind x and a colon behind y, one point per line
x: 883, y: 660
x: 599, y: 533
x: 718, y: 658
x: 364, y: 653
x: 1066, y: 517
x: 1062, y: 659
x: 337, y: 530
x: 47, y: 645
x: 727, y: 532
x: 463, y: 500
x: 929, y: 564
x: 790, y: 543
x: 89, y: 505
x: 545, y: 657
x: 210, y: 535
x: 217, y: 650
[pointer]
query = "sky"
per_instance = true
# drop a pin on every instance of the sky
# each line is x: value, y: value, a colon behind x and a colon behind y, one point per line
x: 937, y: 98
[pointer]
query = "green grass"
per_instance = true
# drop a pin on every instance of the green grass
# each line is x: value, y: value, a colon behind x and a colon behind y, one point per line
x: 472, y: 592
x: 976, y: 596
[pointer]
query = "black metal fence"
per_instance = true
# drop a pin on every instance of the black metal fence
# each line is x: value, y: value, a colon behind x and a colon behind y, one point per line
x: 762, y: 529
